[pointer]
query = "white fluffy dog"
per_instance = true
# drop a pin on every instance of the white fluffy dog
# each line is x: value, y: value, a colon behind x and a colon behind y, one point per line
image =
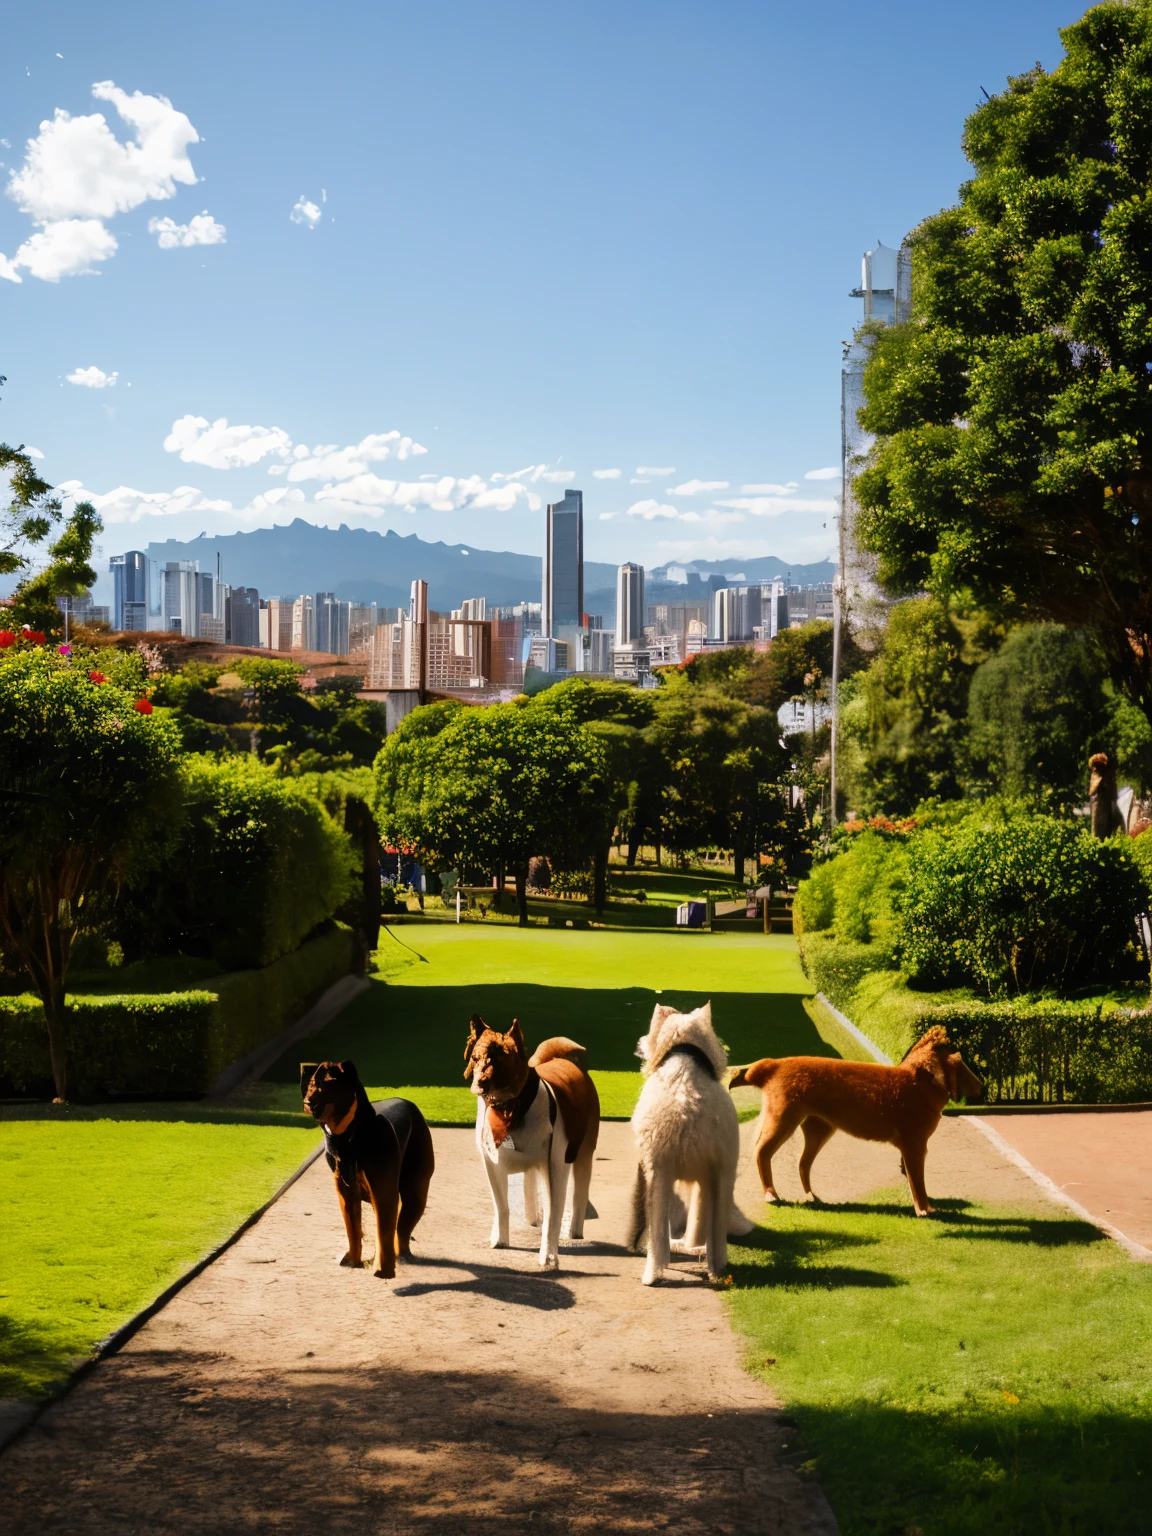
x: 687, y: 1133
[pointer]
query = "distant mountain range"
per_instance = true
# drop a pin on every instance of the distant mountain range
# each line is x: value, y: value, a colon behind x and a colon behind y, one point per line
x: 370, y: 567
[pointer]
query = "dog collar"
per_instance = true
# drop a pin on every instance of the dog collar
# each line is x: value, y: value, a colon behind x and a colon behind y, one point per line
x: 342, y: 1126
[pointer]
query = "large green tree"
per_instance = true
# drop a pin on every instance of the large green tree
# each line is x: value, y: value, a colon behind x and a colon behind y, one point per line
x: 82, y: 773
x: 488, y: 789
x: 1013, y: 412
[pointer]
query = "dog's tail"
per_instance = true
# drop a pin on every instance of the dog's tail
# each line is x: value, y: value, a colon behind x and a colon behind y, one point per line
x: 639, y: 1215
x: 755, y: 1075
x: 559, y: 1045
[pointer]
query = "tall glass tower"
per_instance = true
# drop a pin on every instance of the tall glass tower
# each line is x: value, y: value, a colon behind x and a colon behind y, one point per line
x: 629, y: 604
x: 129, y: 590
x: 563, y: 595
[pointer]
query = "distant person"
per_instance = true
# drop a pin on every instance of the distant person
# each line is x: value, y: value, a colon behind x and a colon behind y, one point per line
x: 1102, y: 801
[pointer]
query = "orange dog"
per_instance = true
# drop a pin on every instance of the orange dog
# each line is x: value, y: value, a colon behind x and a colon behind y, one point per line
x: 900, y: 1104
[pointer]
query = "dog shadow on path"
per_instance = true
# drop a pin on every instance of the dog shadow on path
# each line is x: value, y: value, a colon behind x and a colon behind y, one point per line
x: 542, y: 1291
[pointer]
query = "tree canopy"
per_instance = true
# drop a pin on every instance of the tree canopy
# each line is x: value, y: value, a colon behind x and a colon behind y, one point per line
x: 82, y: 769
x: 1013, y: 412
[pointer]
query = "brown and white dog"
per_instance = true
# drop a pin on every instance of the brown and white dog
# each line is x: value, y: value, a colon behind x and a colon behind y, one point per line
x: 901, y: 1104
x: 538, y: 1115
x: 383, y: 1153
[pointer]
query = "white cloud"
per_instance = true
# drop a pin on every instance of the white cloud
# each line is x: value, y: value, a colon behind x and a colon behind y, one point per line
x: 694, y: 487
x: 768, y: 490
x: 328, y: 462
x: 64, y: 249
x: 33, y: 453
x: 76, y: 174
x: 639, y: 481
x: 772, y: 506
x: 652, y: 510
x: 369, y: 493
x: 77, y: 168
x: 201, y: 230
x: 304, y: 212
x: 606, y: 517
x: 606, y: 474
x: 92, y: 378
x: 219, y: 446
x: 823, y: 474
x: 656, y: 471
x: 125, y: 505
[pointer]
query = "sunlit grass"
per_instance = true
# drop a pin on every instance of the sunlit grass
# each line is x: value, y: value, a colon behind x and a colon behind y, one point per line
x: 986, y: 1371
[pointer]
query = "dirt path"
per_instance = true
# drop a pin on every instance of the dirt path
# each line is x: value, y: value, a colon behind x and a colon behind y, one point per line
x: 278, y: 1392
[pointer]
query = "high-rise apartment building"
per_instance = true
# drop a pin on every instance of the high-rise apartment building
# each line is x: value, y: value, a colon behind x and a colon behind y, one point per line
x: 180, y: 597
x: 629, y: 604
x: 276, y: 624
x: 130, y: 594
x: 562, y: 605
x: 242, y: 616
x: 333, y: 624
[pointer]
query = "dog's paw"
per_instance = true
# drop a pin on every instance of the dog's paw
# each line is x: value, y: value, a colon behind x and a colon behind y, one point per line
x: 549, y: 1261
x: 498, y: 1242
x: 771, y: 1197
x: 678, y: 1245
x: 653, y: 1277
x: 384, y: 1274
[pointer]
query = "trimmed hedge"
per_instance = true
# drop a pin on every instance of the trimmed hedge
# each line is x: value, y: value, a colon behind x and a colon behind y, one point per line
x: 1047, y: 1051
x: 167, y: 1043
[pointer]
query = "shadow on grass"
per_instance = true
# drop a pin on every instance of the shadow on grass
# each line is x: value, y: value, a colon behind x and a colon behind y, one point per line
x: 416, y: 1035
x: 949, y: 1214
x: 791, y: 1260
x: 1024, y: 1469
x: 33, y: 1358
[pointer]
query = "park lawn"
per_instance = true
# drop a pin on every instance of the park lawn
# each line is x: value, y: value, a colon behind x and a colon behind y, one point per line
x: 406, y: 1034
x: 984, y: 1373
x: 99, y: 1214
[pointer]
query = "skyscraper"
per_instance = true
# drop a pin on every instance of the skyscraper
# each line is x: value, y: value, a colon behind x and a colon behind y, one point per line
x: 563, y: 594
x: 129, y: 590
x: 242, y: 615
x: 332, y: 624
x: 629, y: 604
x: 181, y: 597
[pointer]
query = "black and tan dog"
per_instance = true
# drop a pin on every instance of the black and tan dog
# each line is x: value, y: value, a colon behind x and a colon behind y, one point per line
x: 385, y: 1154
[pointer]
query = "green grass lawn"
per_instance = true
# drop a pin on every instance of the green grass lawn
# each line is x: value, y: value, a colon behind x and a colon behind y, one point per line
x: 984, y: 1372
x: 98, y: 1215
x: 406, y: 1034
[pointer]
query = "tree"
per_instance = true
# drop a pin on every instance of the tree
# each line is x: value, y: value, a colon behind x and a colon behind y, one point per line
x: 1013, y: 412
x: 28, y: 519
x: 489, y: 788
x: 1037, y: 710
x: 86, y: 771
x: 616, y: 714
x: 907, y: 737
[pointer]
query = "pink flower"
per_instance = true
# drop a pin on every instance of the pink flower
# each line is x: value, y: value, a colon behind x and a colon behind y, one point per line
x: 143, y: 706
x: 65, y: 650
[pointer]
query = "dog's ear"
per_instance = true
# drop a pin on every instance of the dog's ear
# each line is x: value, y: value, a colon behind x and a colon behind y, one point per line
x: 739, y: 1078
x: 516, y: 1035
x: 476, y: 1027
x: 307, y: 1068
x: 706, y: 1013
x: 348, y: 1068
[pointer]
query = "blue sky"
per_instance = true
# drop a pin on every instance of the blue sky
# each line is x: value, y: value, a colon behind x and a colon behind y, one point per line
x: 531, y: 240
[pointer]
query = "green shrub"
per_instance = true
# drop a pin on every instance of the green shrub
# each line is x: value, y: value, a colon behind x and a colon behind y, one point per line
x: 1051, y: 1050
x: 837, y: 966
x: 174, y: 1042
x: 116, y: 1045
x: 856, y: 892
x: 1026, y: 903
x: 259, y: 863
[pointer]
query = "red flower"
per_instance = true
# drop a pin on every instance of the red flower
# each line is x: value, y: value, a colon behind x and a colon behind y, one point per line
x: 35, y: 635
x: 6, y: 638
x: 143, y: 706
x: 97, y: 677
